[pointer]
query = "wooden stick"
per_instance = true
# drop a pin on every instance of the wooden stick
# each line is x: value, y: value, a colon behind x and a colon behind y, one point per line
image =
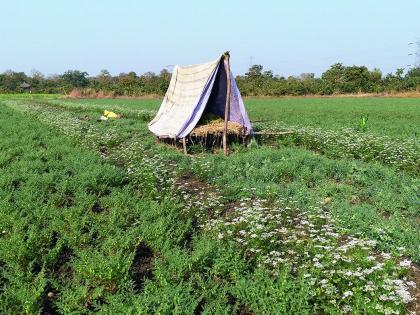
x: 184, y: 145
x: 273, y: 133
x: 261, y: 120
x: 226, y: 57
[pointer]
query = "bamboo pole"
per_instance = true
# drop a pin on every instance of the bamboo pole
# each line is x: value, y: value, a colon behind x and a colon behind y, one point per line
x: 184, y: 145
x: 273, y: 133
x: 226, y: 57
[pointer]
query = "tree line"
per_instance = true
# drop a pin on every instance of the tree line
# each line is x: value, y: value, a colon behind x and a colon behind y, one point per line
x: 338, y: 79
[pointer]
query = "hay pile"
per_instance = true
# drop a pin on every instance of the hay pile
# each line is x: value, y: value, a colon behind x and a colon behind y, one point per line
x: 216, y: 128
x: 212, y: 125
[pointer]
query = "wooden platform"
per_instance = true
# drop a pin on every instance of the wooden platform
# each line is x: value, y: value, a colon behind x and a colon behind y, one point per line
x: 211, y: 136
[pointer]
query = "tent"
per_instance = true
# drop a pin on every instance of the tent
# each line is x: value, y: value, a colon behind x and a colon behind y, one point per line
x: 195, y: 90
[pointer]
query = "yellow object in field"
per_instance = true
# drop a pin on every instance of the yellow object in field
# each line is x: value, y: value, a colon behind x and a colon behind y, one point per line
x: 110, y: 114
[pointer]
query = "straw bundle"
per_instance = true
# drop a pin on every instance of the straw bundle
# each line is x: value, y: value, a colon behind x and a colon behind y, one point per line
x: 216, y: 128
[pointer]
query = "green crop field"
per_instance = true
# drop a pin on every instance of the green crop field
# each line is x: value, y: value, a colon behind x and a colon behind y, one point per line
x: 96, y: 216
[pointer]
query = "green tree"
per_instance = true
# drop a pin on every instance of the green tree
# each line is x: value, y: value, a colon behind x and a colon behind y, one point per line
x: 10, y: 80
x: 75, y: 79
x: 128, y: 84
x: 254, y: 71
x: 413, y: 73
x: 103, y: 81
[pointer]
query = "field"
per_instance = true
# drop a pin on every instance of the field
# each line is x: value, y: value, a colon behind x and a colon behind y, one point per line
x: 99, y: 217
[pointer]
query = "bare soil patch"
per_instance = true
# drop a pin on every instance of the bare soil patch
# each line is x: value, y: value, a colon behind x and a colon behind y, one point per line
x: 142, y: 267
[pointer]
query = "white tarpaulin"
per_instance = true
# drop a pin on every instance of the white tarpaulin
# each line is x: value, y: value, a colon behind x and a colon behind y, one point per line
x: 186, y: 86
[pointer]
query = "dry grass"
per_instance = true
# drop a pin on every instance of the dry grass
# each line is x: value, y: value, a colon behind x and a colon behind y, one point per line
x: 90, y: 93
x: 216, y: 128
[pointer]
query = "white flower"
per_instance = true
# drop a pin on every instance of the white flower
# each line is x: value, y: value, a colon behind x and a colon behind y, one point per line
x: 386, y: 256
x: 318, y: 265
x: 404, y: 294
x: 405, y: 263
x: 348, y: 273
x: 347, y: 309
x: 369, y: 287
x: 347, y: 294
x: 323, y: 282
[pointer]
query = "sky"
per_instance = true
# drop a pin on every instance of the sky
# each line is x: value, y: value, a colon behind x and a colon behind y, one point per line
x: 287, y: 37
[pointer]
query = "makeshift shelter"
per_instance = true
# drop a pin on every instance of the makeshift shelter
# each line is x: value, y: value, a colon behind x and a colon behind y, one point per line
x: 195, y: 91
x: 25, y: 87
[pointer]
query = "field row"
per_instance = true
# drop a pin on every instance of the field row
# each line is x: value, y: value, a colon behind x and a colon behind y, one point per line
x: 348, y: 143
x: 396, y: 118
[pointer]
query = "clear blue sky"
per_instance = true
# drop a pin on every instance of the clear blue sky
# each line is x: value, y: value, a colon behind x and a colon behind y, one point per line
x: 288, y: 37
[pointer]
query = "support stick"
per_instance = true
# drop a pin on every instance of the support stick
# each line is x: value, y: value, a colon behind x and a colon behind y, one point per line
x: 184, y: 145
x: 226, y: 57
